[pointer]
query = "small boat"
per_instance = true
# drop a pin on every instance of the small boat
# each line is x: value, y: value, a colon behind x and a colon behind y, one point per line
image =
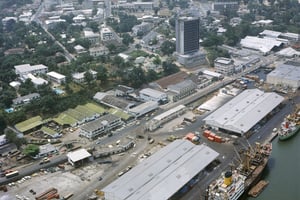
x: 258, y: 188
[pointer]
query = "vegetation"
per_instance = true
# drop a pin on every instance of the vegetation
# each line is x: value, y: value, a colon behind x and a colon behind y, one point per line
x: 13, y: 138
x: 31, y: 150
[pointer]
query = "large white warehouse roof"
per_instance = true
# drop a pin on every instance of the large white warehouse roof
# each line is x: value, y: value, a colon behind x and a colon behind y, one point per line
x: 162, y: 174
x: 240, y: 114
x: 264, y: 45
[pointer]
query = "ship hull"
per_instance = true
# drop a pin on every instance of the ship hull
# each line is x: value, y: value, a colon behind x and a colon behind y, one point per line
x: 289, y: 135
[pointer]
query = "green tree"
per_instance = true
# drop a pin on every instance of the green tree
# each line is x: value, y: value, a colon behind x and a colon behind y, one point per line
x: 31, y: 150
x: 13, y: 138
x: 167, y: 47
x: 102, y: 74
x: 169, y: 68
x: 127, y: 39
x: 88, y: 77
x: 151, y: 75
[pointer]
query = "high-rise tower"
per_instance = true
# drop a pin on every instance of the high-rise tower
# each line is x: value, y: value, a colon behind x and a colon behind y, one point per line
x: 187, y: 35
x: 187, y: 42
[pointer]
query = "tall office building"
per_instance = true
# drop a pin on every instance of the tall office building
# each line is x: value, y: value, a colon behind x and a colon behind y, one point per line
x: 187, y: 41
x: 187, y: 35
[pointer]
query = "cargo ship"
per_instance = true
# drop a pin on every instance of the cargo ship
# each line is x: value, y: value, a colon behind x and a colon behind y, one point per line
x: 231, y: 185
x: 290, y: 126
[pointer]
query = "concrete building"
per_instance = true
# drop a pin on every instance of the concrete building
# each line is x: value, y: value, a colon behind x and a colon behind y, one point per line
x: 123, y: 90
x: 287, y: 75
x: 78, y: 157
x: 182, y: 89
x: 25, y: 99
x: 223, y: 6
x: 106, y: 34
x: 143, y: 28
x: 3, y: 140
x: 157, y: 121
x: 79, y: 77
x: 100, y: 126
x: 56, y: 77
x: 244, y: 111
x: 46, y: 150
x: 98, y: 51
x: 224, y: 66
x: 143, y: 108
x: 162, y: 174
x: 37, y: 81
x: 187, y: 35
x: 94, y: 38
x: 187, y: 42
x: 149, y: 94
x: 25, y: 69
x: 113, y: 101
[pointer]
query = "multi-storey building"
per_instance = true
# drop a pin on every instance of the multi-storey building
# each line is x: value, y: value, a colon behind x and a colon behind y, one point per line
x: 224, y: 66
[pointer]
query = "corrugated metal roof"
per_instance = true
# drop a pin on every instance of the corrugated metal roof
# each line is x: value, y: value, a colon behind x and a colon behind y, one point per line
x: 244, y: 111
x: 286, y: 71
x: 162, y: 174
x: 169, y: 112
x: 264, y: 45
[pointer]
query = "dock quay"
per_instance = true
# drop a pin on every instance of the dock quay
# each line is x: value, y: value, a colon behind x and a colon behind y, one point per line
x: 258, y: 188
x: 272, y: 136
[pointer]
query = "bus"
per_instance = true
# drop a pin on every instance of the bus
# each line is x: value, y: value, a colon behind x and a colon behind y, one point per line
x: 12, y: 174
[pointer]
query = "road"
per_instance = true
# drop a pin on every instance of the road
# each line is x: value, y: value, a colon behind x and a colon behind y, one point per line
x: 36, y: 19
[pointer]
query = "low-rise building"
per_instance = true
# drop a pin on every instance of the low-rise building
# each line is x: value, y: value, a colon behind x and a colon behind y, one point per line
x: 157, y: 121
x: 113, y: 101
x: 46, y: 150
x: 143, y: 28
x: 224, y: 66
x: 78, y: 157
x: 143, y: 108
x: 94, y: 38
x: 56, y: 77
x: 3, y: 140
x: 25, y: 69
x: 106, y: 34
x: 123, y: 90
x: 25, y: 99
x: 100, y: 126
x: 98, y: 51
x: 149, y: 94
x: 79, y: 49
x: 79, y: 77
x: 182, y: 89
x: 287, y: 75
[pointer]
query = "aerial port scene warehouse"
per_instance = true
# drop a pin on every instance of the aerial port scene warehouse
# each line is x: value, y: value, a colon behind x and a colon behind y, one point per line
x: 149, y: 100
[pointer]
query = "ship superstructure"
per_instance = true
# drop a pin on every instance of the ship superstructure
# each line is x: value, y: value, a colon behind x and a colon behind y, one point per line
x: 232, y: 184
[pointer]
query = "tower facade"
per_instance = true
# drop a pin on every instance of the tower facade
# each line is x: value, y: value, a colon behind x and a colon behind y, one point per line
x: 187, y: 35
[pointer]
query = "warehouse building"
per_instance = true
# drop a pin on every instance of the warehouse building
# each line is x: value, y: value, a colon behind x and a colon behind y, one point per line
x: 164, y: 173
x: 100, y: 126
x: 287, y: 74
x: 263, y: 45
x: 181, y: 90
x: 157, y: 121
x: 244, y: 111
x: 143, y: 108
x: 149, y: 94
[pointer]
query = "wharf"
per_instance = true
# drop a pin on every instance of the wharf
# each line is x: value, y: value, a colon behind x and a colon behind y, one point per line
x: 272, y: 137
x: 258, y: 188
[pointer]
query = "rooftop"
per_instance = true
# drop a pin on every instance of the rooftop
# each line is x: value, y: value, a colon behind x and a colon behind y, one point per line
x: 98, y: 123
x: 56, y: 75
x: 162, y: 174
x: 29, y: 124
x: 152, y: 92
x: 286, y: 71
x: 79, y: 154
x: 28, y: 68
x: 241, y: 113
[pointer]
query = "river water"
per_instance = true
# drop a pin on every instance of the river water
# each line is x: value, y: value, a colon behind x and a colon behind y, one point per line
x: 283, y: 171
